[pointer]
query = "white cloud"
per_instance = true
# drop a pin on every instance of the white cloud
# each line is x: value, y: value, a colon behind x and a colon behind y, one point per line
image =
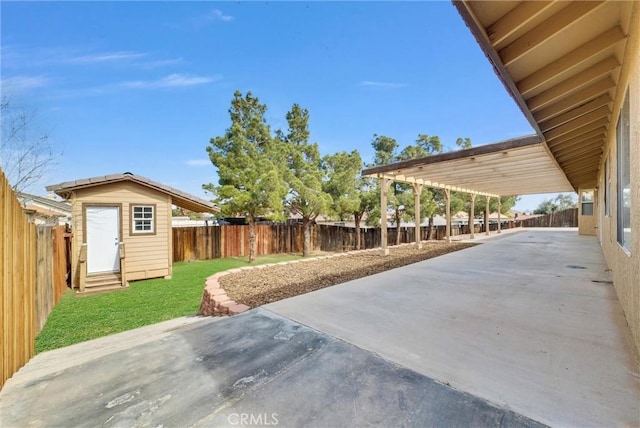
x: 390, y: 85
x: 24, y: 83
x: 104, y: 57
x: 171, y: 81
x: 217, y: 15
x: 198, y: 162
x: 161, y: 63
x: 214, y: 15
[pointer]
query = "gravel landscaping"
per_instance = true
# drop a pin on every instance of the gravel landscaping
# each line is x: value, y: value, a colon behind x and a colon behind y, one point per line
x: 257, y: 287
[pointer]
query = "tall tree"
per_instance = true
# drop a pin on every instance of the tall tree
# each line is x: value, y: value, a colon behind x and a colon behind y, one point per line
x: 432, y: 146
x: 400, y: 198
x: 561, y: 202
x: 250, y: 182
x: 353, y: 195
x: 26, y: 152
x: 304, y: 173
x: 463, y: 143
x: 343, y: 175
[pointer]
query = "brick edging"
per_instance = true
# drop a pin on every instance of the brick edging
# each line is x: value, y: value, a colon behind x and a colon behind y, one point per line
x: 215, y: 301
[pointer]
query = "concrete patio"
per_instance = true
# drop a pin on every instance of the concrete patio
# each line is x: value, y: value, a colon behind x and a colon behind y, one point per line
x: 522, y: 330
x: 528, y: 320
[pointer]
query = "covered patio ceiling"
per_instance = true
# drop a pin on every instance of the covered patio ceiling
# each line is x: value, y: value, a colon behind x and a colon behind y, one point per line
x: 513, y: 167
x: 561, y: 63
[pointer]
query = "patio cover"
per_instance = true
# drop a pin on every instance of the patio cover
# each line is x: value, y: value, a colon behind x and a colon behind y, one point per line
x: 514, y: 167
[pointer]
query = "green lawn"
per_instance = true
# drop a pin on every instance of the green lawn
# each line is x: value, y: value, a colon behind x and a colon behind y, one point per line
x: 76, y: 319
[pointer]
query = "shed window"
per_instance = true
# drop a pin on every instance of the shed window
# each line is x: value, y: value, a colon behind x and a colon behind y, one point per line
x: 587, y: 202
x: 623, y: 204
x: 143, y: 219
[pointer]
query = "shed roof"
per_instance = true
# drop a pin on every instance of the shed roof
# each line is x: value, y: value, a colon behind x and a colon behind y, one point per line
x: 513, y: 167
x: 178, y: 197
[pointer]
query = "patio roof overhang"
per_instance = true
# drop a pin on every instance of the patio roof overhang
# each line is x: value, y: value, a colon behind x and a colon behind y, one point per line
x: 513, y: 167
x: 561, y: 62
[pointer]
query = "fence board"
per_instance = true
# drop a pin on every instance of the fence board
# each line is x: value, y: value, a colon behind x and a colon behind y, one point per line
x: 17, y: 287
x: 565, y: 218
x: 212, y: 242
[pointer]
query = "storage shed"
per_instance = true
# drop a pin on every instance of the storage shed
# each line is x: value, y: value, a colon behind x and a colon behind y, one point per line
x: 122, y: 229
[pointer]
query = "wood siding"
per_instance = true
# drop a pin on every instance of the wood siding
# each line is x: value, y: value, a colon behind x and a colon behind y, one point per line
x: 147, y: 256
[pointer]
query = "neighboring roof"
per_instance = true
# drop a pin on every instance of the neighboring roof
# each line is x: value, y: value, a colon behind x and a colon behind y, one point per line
x: 514, y: 167
x: 561, y: 63
x: 178, y: 197
x: 58, y: 205
x: 44, y: 212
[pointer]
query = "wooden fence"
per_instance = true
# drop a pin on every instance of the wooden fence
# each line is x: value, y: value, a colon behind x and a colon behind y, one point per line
x: 52, y: 256
x: 212, y: 242
x: 17, y: 288
x: 565, y: 218
x: 33, y: 276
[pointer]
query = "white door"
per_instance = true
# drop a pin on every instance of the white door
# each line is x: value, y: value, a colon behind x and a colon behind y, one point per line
x: 103, y: 239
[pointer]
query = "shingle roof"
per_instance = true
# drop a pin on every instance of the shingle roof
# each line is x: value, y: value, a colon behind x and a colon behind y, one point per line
x: 178, y: 197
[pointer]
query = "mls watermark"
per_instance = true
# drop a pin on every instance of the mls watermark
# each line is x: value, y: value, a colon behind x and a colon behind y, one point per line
x: 255, y: 419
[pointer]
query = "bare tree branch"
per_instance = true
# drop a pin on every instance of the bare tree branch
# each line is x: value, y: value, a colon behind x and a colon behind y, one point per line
x: 26, y: 153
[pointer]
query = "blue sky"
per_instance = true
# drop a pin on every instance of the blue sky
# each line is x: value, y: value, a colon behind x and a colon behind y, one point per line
x: 143, y: 86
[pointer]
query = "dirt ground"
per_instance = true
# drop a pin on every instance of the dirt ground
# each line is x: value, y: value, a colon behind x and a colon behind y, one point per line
x: 257, y: 287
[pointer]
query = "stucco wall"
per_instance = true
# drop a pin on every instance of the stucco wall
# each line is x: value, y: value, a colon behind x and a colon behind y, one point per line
x: 625, y: 266
x: 147, y: 256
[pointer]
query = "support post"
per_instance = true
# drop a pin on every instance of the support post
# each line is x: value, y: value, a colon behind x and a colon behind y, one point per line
x: 384, y: 188
x: 486, y: 215
x: 499, y: 220
x: 447, y: 195
x: 417, y: 192
x: 472, y: 223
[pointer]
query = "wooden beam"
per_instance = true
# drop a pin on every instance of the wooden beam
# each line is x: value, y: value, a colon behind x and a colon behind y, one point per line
x: 472, y: 223
x: 486, y: 215
x: 447, y: 195
x: 582, y: 162
x: 515, y: 19
x: 576, y: 143
x: 583, y: 168
x: 570, y: 60
x: 573, y: 83
x: 577, y: 123
x: 546, y: 30
x: 384, y: 188
x: 499, y: 208
x: 585, y: 177
x: 586, y: 128
x: 599, y: 132
x: 417, y: 191
x: 602, y: 100
x: 585, y: 152
x: 581, y: 97
x: 563, y: 152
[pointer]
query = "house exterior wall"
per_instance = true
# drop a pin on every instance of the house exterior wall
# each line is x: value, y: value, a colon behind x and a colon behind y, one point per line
x: 146, y: 255
x: 625, y: 266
